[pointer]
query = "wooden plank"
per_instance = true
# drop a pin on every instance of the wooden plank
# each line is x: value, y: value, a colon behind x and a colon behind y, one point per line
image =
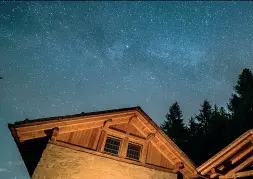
x: 155, y: 157
x: 241, y: 154
x: 123, y: 135
x: 213, y: 175
x: 79, y: 127
x: 123, y: 147
x: 225, y: 153
x: 162, y: 152
x: 34, y: 134
x: 144, y: 152
x: 244, y: 174
x: 55, y: 134
x: 74, y: 121
x: 68, y: 129
x: 224, y: 156
x: 95, y: 138
x: 102, y: 140
x: 244, y: 164
x: 131, y: 120
x: 238, y: 175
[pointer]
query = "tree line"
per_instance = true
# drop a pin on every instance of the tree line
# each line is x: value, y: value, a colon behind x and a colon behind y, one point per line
x: 213, y: 127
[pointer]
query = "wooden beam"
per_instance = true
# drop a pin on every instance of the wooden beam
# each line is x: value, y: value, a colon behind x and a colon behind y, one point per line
x: 238, y: 175
x: 34, y: 134
x: 244, y: 174
x: 241, y: 154
x: 131, y: 120
x: 55, y: 134
x: 72, y: 121
x: 120, y: 134
x: 171, y: 147
x: 213, y: 175
x: 71, y: 128
x: 178, y: 166
x: 62, y: 130
x: 107, y: 123
x: 150, y: 137
x: 224, y: 155
x: 244, y: 164
x: 123, y: 147
x: 144, y: 152
x: 102, y: 140
x: 80, y: 127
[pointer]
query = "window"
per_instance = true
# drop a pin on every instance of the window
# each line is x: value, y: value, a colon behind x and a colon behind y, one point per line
x: 133, y: 151
x: 112, y: 146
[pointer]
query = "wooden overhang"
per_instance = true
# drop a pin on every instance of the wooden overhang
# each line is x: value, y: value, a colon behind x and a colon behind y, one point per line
x: 50, y: 128
x: 234, y: 161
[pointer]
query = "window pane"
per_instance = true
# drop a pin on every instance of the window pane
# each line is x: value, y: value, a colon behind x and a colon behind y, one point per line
x: 133, y: 151
x: 112, y: 146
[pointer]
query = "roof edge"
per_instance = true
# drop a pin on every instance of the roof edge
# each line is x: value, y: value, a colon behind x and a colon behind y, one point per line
x: 28, y: 122
x: 192, y: 164
x: 225, y: 150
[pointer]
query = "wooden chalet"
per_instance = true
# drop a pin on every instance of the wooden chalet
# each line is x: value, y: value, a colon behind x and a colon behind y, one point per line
x: 121, y: 143
x: 234, y: 161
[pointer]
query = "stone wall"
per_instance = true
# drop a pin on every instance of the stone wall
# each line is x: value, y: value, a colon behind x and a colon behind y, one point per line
x: 59, y: 162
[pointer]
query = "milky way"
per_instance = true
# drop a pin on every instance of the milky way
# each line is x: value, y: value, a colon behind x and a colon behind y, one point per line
x: 66, y: 57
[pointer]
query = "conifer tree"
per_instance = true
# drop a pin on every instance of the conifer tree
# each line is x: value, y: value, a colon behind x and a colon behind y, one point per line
x: 174, y: 127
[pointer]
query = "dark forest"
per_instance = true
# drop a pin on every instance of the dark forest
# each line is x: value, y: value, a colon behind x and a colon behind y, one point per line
x: 213, y: 127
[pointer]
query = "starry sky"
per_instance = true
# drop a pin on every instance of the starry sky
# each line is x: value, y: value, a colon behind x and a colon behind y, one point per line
x: 59, y: 58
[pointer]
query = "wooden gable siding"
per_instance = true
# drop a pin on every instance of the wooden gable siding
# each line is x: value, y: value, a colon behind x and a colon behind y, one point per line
x: 131, y: 129
x: 154, y: 157
x: 89, y: 139
x: 85, y: 138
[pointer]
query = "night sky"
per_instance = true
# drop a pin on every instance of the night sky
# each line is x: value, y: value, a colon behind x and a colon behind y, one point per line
x: 71, y: 57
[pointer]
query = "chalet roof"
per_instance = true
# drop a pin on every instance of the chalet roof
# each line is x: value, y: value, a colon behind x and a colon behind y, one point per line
x: 25, y: 131
x: 28, y: 122
x: 234, y: 158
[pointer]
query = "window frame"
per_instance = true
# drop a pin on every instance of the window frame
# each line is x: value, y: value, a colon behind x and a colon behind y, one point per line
x: 119, y: 147
x: 140, y: 151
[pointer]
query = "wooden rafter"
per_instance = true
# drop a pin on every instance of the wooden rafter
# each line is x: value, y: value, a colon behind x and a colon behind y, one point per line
x: 244, y: 174
x: 241, y: 154
x: 72, y: 128
x: 244, y: 164
x: 171, y: 147
x: 75, y: 121
x: 226, y: 153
